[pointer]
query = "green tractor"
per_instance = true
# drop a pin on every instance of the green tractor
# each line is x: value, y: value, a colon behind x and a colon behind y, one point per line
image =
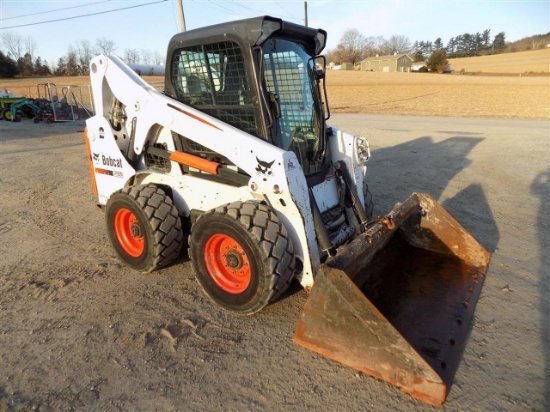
x: 37, y: 110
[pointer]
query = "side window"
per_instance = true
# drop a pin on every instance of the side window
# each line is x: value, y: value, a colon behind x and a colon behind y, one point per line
x: 212, y: 78
x: 193, y: 83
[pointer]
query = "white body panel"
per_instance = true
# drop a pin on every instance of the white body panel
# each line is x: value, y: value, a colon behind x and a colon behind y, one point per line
x: 284, y: 188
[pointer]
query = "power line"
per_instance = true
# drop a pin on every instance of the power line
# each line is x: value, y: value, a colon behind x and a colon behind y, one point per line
x: 229, y: 7
x: 51, y: 11
x: 221, y: 6
x: 287, y: 15
x: 84, y: 15
x: 281, y: 7
x: 174, y: 14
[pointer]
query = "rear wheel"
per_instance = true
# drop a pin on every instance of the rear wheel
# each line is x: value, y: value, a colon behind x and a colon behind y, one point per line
x: 242, y: 256
x: 144, y: 227
x: 6, y: 114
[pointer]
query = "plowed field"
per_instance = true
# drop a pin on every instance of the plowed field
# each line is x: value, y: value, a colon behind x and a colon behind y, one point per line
x: 414, y: 94
x: 426, y: 94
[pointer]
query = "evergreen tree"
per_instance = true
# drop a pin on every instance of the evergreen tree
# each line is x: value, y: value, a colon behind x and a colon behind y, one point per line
x: 486, y: 38
x: 418, y: 56
x: 41, y: 68
x: 452, y: 47
x: 8, y: 68
x: 499, y: 42
x: 61, y: 69
x: 437, y: 61
x: 72, y: 64
x: 25, y: 65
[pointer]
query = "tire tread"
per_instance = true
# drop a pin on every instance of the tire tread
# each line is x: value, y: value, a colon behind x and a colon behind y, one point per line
x: 162, y: 216
x: 271, y: 236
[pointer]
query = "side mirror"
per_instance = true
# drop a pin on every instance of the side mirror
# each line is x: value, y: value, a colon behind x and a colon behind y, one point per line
x: 319, y: 72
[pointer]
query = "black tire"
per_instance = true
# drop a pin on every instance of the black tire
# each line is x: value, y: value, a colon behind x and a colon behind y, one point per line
x: 259, y: 265
x: 144, y: 227
x: 6, y: 114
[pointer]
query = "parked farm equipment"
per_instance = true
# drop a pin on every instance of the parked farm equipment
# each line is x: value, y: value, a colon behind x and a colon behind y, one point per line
x: 68, y: 103
x: 75, y: 104
x: 8, y: 98
x: 34, y: 109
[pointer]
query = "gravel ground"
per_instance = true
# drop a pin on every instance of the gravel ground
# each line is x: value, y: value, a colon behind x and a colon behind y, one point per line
x: 79, y: 331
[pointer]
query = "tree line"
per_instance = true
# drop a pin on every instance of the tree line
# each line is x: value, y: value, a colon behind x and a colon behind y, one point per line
x: 464, y: 45
x: 18, y: 57
x: 354, y: 46
x: 18, y: 53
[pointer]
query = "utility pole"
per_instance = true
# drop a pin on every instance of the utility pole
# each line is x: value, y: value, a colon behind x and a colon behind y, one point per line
x: 305, y: 12
x: 181, y: 15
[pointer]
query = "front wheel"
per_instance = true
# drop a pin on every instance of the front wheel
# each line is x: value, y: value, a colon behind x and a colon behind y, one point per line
x: 144, y: 227
x: 242, y: 256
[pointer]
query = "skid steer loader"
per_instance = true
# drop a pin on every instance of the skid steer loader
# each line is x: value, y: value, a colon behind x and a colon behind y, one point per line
x: 236, y: 156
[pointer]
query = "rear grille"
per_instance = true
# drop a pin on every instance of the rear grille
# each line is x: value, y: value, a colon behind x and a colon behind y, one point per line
x: 157, y: 163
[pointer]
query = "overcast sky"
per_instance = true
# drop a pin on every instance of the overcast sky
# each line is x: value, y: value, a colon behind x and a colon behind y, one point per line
x: 150, y: 26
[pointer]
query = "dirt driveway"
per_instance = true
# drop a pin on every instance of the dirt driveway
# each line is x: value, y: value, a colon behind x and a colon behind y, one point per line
x: 79, y: 331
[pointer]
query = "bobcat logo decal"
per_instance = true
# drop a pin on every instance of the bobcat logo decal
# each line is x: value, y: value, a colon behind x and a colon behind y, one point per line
x: 96, y: 157
x: 264, y: 168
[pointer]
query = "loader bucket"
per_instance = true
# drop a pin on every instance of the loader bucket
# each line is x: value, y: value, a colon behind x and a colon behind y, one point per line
x: 397, y: 302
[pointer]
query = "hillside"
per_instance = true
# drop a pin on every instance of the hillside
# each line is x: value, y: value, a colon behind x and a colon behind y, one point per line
x: 533, y: 61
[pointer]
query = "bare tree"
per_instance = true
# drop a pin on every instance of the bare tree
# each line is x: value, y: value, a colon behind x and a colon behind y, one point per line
x: 158, y: 58
x: 351, y: 48
x: 146, y: 56
x: 131, y: 56
x: 397, y: 44
x: 18, y: 46
x: 105, y: 46
x: 536, y: 42
x: 14, y: 44
x: 372, y: 45
x: 30, y: 46
x: 83, y: 54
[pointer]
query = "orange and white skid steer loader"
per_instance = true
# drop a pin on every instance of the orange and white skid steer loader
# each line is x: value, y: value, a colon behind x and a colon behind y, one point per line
x: 237, y: 156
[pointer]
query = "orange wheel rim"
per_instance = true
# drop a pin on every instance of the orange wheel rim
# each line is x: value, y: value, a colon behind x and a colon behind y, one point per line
x: 227, y: 263
x: 129, y: 232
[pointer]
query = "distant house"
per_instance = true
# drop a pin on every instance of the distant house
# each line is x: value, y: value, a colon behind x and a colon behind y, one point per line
x: 391, y: 63
x: 343, y: 66
x: 417, y: 66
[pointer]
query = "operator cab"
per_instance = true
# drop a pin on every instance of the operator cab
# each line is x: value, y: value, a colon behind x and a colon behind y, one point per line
x: 259, y: 75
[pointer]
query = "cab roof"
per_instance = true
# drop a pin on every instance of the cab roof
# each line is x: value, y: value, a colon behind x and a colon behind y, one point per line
x: 254, y: 31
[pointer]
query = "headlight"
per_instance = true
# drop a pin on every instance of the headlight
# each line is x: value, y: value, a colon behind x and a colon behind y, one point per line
x: 363, y: 149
